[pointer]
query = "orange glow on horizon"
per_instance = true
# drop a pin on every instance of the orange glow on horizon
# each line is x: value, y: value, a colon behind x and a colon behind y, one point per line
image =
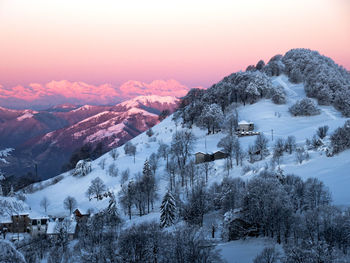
x: 194, y: 42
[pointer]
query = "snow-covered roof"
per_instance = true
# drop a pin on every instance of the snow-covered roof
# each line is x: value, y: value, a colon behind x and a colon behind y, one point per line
x: 67, y: 224
x: 5, y: 219
x: 244, y: 122
x: 82, y: 211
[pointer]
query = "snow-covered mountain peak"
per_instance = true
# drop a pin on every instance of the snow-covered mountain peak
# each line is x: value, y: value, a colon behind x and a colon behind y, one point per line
x: 148, y: 100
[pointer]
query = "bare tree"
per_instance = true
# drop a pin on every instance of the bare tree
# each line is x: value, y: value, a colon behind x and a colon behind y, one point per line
x: 181, y: 147
x: 96, y: 188
x: 70, y: 204
x: 127, y: 197
x: 102, y: 163
x: 130, y: 149
x: 153, y: 162
x: 114, y: 153
x: 113, y: 170
x: 44, y: 203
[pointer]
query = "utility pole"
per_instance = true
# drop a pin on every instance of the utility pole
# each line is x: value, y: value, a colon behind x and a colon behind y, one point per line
x: 272, y: 134
x: 36, y: 171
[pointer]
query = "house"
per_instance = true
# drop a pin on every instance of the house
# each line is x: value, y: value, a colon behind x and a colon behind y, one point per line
x: 220, y: 155
x: 20, y: 223
x: 203, y: 157
x: 67, y: 226
x: 244, y: 126
x: 81, y: 215
x: 5, y: 225
x: 38, y: 225
x: 209, y: 157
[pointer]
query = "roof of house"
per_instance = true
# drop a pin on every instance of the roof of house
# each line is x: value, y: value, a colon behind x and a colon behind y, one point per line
x: 53, y: 228
x: 244, y: 122
x: 82, y: 211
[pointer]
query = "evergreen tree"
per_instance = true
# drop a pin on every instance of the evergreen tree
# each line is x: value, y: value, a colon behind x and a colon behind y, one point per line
x: 1, y: 192
x: 167, y: 209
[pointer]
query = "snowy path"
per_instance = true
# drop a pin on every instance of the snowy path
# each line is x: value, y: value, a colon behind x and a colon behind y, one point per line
x: 330, y: 114
x: 291, y: 94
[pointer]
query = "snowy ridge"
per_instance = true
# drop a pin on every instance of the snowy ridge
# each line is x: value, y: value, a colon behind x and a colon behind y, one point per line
x: 267, y: 118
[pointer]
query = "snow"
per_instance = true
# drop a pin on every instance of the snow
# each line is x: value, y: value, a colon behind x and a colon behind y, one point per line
x: 83, y: 108
x: 243, y: 251
x: 149, y: 99
x: 332, y: 170
x: 5, y: 153
x: 269, y: 119
x: 243, y: 122
x: 27, y: 115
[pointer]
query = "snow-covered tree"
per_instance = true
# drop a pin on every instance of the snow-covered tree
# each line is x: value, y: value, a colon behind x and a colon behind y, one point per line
x: 322, y: 131
x: 9, y: 254
x: 167, y: 210
x: 230, y: 122
x: 12, y: 192
x: 211, y: 117
x: 278, y: 150
x: 301, y: 154
x: 96, y: 189
x: 268, y: 255
x: 82, y: 168
x: 260, y: 146
x: 304, y: 107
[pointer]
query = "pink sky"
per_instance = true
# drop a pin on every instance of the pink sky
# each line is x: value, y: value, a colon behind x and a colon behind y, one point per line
x: 194, y: 42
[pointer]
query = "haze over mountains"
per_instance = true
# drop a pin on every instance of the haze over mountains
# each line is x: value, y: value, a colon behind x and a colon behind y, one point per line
x: 49, y: 137
x: 42, y: 96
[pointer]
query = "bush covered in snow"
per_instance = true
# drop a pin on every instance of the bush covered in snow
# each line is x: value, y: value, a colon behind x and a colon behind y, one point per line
x: 278, y: 95
x: 340, y: 139
x: 9, y: 254
x: 304, y: 107
x: 82, y: 168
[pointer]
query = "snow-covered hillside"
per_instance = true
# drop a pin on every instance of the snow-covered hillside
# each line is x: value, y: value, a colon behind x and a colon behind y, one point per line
x: 266, y: 116
x: 269, y: 119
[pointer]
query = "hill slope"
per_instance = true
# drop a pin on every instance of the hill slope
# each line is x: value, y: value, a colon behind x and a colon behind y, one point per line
x: 266, y: 116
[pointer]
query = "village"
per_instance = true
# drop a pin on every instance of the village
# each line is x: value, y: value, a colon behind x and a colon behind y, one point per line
x: 244, y: 128
x: 16, y: 226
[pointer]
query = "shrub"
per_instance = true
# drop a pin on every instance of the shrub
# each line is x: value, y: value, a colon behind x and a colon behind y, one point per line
x: 304, y: 107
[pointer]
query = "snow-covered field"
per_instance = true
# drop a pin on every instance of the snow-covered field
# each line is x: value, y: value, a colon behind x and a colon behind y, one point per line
x: 268, y: 118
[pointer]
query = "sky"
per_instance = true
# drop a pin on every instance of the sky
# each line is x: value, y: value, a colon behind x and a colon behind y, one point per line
x: 194, y: 42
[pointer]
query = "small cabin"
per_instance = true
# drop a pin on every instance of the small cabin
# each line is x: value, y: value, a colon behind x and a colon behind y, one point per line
x: 220, y: 155
x: 203, y: 157
x: 209, y: 157
x: 81, y: 215
x: 244, y: 126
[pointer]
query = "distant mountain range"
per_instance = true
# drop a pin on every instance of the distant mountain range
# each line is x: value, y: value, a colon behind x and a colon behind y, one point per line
x: 41, y: 96
x: 49, y: 137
